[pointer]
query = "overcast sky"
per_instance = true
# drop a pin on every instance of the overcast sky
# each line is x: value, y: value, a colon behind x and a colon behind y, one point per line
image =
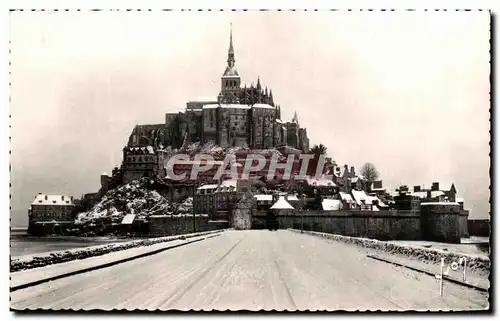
x: 406, y: 91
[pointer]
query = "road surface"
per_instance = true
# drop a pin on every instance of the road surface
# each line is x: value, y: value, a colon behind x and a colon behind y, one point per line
x: 252, y: 270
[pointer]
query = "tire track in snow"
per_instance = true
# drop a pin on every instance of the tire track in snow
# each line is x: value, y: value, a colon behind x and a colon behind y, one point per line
x: 285, y: 285
x: 223, y: 281
x: 313, y: 278
x: 175, y: 296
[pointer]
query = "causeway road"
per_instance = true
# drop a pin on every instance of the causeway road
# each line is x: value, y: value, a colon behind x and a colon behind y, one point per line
x: 252, y: 270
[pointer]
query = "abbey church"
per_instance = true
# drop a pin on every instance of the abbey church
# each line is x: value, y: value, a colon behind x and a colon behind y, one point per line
x: 240, y: 116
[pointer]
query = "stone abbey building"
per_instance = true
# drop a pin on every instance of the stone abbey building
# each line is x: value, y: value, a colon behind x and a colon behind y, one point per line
x: 241, y: 116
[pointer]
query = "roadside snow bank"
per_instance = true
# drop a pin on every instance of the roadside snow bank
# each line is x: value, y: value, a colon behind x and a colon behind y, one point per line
x: 474, y: 262
x: 83, y: 253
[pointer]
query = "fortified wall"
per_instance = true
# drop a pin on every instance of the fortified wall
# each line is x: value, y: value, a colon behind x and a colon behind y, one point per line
x: 434, y: 222
x: 165, y: 225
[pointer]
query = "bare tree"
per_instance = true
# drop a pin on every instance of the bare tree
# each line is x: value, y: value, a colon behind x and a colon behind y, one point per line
x: 370, y: 173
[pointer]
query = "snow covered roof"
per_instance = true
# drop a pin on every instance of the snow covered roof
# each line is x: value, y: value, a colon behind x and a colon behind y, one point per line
x: 360, y: 196
x: 227, y: 186
x: 423, y: 194
x: 292, y: 198
x: 378, y: 189
x: 128, y: 219
x: 439, y: 203
x: 42, y: 199
x: 104, y: 174
x: 230, y: 72
x: 229, y: 182
x: 459, y: 199
x: 262, y: 106
x: 346, y: 197
x: 279, y: 121
x: 330, y: 205
x: 282, y: 204
x: 263, y: 197
x: 320, y: 181
x: 240, y: 106
x: 208, y: 186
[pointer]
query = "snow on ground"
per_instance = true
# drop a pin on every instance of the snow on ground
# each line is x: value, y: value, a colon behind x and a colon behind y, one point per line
x: 131, y: 198
x: 252, y: 270
x: 463, y: 248
x: 40, y: 260
x: 219, y: 153
x: 478, y: 263
x: 35, y: 274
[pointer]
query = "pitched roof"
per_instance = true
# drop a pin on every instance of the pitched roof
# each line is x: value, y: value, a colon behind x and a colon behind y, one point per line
x: 320, y: 181
x: 42, y: 199
x: 282, y: 204
x: 208, y: 186
x: 361, y: 196
x: 263, y: 197
x: 423, y: 194
x: 346, y: 197
x: 128, y: 219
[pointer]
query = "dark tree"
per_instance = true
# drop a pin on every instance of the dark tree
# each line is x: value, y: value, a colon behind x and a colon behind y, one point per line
x: 370, y: 173
x: 318, y: 150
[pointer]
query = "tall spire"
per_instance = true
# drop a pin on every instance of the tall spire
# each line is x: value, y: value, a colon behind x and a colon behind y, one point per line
x: 230, y: 55
x: 295, y: 118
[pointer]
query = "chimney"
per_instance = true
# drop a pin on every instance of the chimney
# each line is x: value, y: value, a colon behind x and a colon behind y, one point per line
x: 352, y: 170
x: 62, y: 197
x: 429, y: 194
x: 416, y: 188
x: 46, y: 197
x: 435, y: 186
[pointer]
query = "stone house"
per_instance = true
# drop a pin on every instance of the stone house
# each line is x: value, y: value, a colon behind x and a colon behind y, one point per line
x: 212, y: 198
x: 139, y: 162
x: 52, y: 211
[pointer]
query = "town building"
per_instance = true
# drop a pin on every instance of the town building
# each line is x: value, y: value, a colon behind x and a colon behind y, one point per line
x: 213, y: 198
x: 139, y: 162
x: 50, y: 213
